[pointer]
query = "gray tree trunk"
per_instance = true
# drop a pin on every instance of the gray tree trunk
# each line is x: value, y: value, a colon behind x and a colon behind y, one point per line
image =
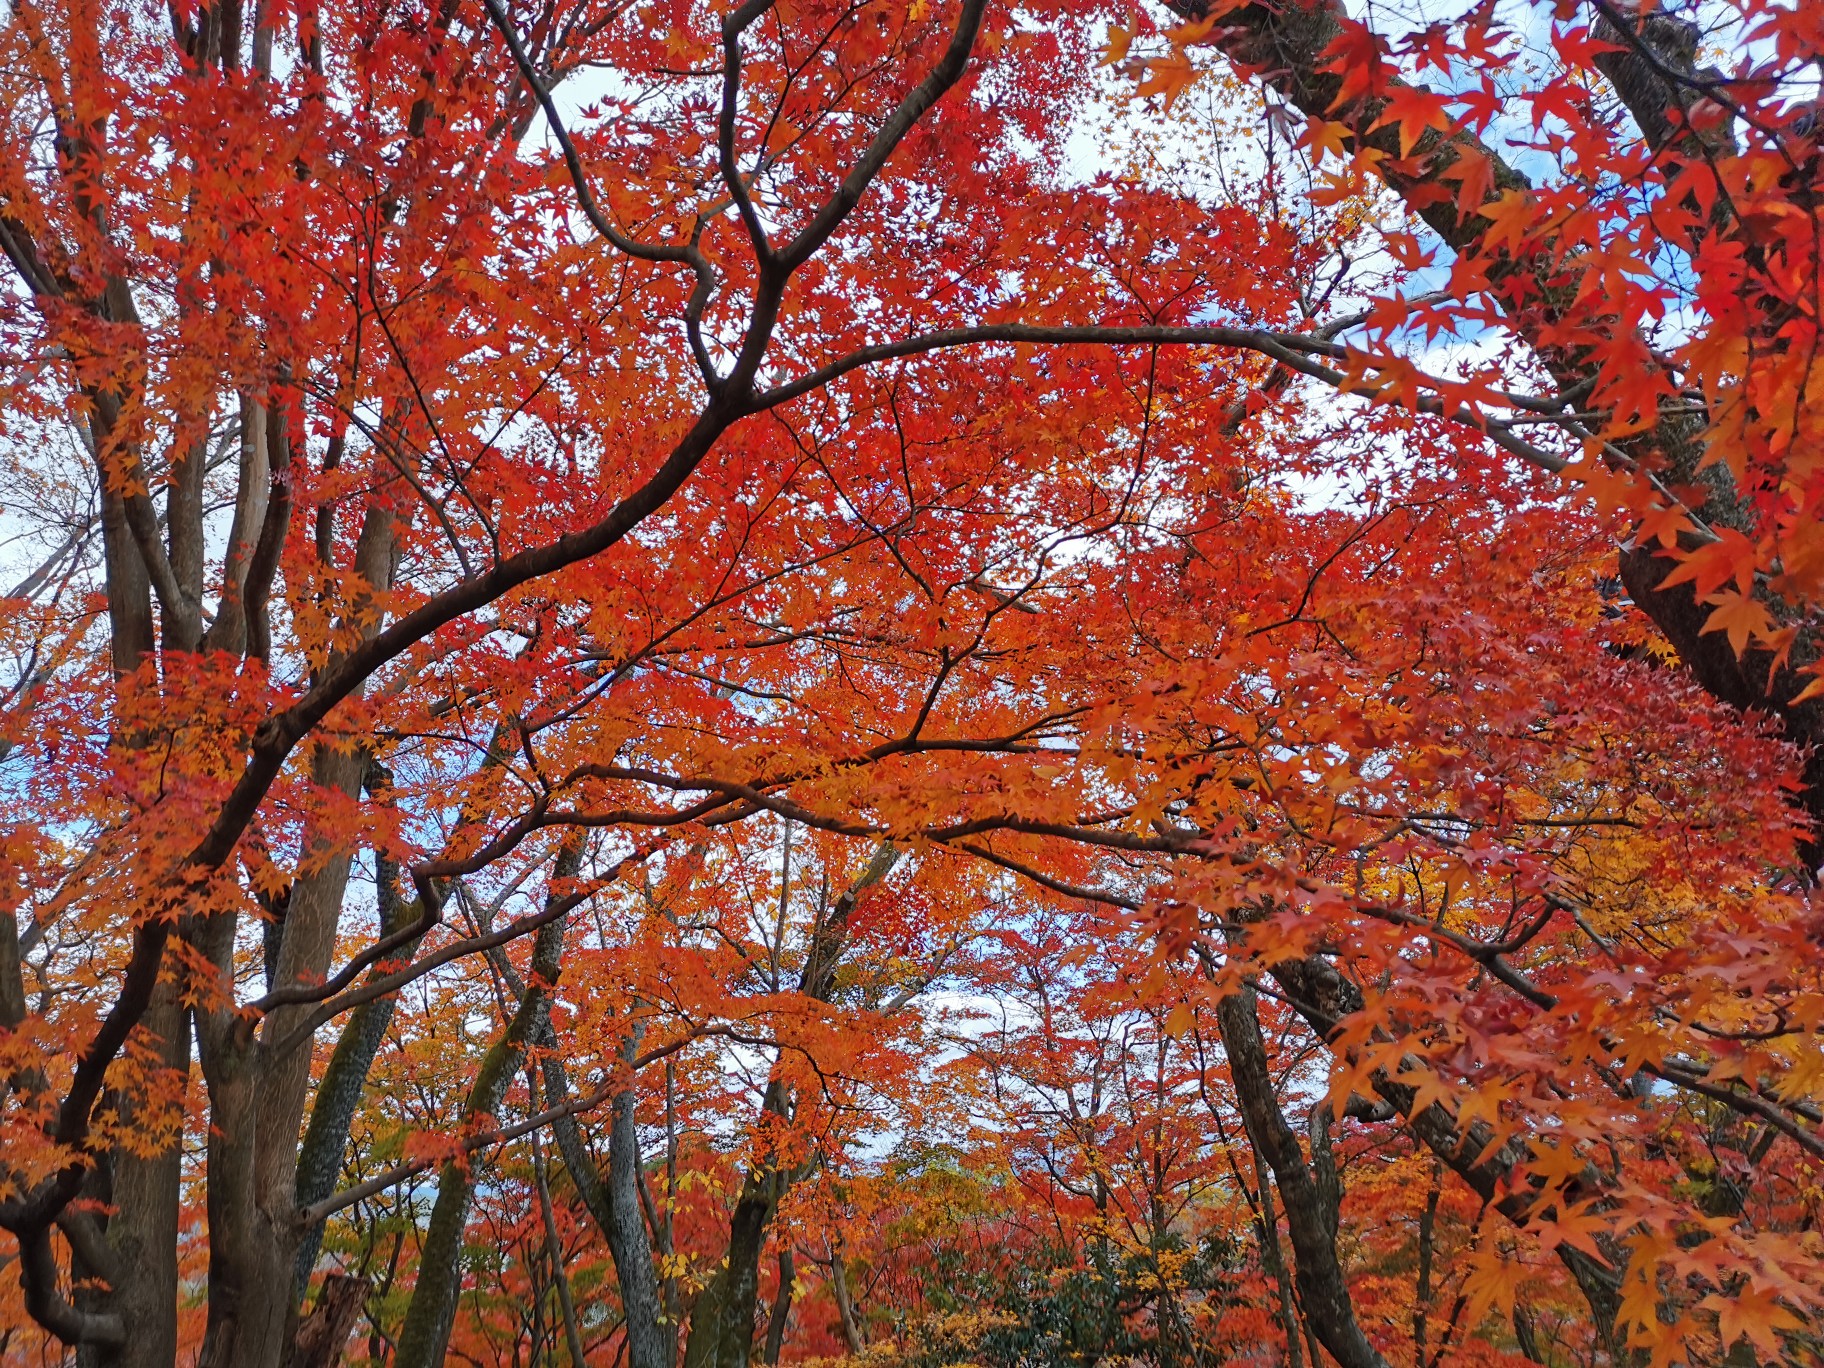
x: 1310, y: 1192
x: 432, y: 1309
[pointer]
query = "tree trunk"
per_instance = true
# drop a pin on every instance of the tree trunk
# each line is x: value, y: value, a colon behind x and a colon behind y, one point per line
x: 323, y: 1333
x: 554, y: 1250
x: 651, y: 1341
x: 1324, y: 997
x: 143, y: 1230
x: 257, y: 1101
x: 1309, y: 1191
x: 782, y: 1308
x: 259, y: 1086
x: 129, y: 587
x: 845, y: 1305
x: 1421, y: 1297
x: 722, y: 1317
x: 1275, y: 1261
x: 344, y: 1078
x: 648, y: 1343
x: 432, y: 1309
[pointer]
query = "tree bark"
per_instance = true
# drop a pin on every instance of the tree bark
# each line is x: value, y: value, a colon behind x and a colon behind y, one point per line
x: 649, y: 1345
x: 259, y: 1085
x: 325, y: 1331
x: 257, y: 1101
x: 782, y: 1308
x: 229, y: 631
x: 722, y: 1317
x: 128, y: 586
x: 1310, y: 1192
x: 651, y: 1341
x: 845, y: 1305
x: 554, y: 1250
x: 1421, y: 1297
x: 143, y: 1230
x: 1324, y: 997
x: 1274, y: 1260
x: 344, y: 1078
x: 1286, y: 45
x: 432, y: 1309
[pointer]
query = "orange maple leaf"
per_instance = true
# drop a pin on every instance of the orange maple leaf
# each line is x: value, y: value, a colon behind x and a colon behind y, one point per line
x: 1169, y: 76
x: 1414, y: 109
x: 1751, y: 1314
x: 1738, y: 615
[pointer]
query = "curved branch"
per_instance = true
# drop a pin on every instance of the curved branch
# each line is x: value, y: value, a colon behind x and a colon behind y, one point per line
x: 1294, y: 351
x: 579, y: 179
x: 732, y: 28
x: 926, y: 93
x: 391, y: 1177
x: 46, y: 1305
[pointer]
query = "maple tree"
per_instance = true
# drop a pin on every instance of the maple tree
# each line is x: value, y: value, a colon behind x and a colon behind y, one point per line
x: 678, y: 693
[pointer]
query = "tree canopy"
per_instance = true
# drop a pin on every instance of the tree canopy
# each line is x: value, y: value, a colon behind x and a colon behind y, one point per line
x: 918, y: 682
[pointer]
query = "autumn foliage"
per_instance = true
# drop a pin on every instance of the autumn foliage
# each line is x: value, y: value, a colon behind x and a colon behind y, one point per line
x: 911, y: 682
